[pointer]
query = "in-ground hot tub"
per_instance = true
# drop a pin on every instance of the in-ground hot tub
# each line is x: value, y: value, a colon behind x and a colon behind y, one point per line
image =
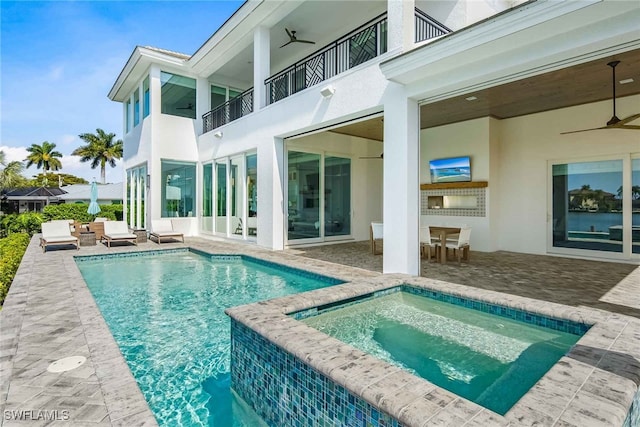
x: 487, y: 358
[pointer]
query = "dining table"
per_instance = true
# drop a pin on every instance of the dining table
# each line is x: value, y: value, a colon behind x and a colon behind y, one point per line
x: 443, y: 232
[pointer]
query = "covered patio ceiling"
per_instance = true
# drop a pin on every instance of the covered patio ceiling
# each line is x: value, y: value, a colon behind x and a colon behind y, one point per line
x: 580, y: 84
x: 576, y: 85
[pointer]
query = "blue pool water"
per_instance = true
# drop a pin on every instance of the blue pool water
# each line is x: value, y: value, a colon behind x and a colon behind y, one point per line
x: 166, y: 312
x: 489, y: 359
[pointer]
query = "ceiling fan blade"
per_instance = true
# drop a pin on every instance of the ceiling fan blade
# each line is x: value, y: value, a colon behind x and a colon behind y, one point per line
x: 628, y: 119
x: 289, y: 42
x: 305, y: 41
x: 380, y: 157
x: 637, y: 127
x: 585, y: 130
x: 288, y: 33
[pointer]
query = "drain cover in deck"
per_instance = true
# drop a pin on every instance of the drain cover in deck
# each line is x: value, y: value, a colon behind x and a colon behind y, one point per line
x: 66, y: 364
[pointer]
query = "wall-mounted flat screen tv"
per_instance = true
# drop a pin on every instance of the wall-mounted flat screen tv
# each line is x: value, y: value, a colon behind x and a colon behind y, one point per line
x: 454, y: 169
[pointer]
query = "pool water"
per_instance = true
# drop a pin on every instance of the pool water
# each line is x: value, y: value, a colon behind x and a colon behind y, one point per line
x: 485, y: 358
x: 166, y: 312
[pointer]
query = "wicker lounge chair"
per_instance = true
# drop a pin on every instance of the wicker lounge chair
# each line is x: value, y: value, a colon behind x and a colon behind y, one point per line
x: 163, y: 228
x: 118, y: 231
x: 57, y: 233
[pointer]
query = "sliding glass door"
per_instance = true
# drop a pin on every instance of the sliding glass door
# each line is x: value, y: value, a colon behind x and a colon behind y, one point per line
x: 592, y: 208
x: 221, y: 197
x: 318, y: 196
x: 207, y: 198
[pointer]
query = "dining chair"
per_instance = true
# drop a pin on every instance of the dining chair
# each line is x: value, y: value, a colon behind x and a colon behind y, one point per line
x: 427, y: 242
x: 375, y: 235
x: 461, y: 246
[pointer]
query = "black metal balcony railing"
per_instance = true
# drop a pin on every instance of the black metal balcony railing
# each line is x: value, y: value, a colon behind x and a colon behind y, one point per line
x: 355, y: 48
x: 358, y: 46
x: 231, y: 110
x: 427, y: 28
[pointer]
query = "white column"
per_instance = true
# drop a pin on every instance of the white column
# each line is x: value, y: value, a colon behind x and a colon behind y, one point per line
x: 132, y: 198
x: 154, y: 200
x: 401, y: 202
x: 261, y: 66
x: 203, y: 103
x: 400, y: 24
x: 271, y: 200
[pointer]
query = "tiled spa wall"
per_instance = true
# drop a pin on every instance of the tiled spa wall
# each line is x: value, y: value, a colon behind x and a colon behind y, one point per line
x: 285, y: 391
x: 633, y: 418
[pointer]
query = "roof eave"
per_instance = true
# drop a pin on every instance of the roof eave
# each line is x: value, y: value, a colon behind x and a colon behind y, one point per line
x: 141, y: 57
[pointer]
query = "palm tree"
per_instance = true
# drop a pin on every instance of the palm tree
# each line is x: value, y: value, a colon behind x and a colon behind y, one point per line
x: 10, y: 175
x: 100, y: 150
x: 44, y: 156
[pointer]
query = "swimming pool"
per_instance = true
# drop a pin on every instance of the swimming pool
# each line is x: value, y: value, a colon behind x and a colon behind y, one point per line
x: 166, y: 312
x: 488, y: 359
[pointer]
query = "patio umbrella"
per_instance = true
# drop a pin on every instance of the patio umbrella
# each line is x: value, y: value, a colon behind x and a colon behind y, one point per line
x: 94, y: 208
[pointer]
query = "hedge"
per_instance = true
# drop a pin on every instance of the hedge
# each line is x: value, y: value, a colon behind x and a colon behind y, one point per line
x: 12, y: 248
x: 78, y: 211
x: 20, y: 223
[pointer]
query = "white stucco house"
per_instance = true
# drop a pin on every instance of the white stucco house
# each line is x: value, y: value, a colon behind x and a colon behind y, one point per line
x: 263, y: 136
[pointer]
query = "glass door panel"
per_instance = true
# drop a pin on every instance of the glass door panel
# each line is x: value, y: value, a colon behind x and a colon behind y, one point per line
x: 221, y: 198
x: 207, y: 198
x: 237, y: 196
x: 635, y: 206
x: 337, y: 196
x: 303, y: 195
x: 587, y: 205
x: 252, y: 194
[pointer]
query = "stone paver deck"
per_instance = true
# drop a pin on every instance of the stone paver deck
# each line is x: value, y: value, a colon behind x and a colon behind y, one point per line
x: 50, y: 314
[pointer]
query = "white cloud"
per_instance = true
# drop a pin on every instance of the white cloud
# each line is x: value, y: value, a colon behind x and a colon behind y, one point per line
x: 14, y: 154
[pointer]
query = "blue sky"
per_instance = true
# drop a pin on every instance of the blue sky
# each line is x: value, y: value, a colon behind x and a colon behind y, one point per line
x: 58, y: 60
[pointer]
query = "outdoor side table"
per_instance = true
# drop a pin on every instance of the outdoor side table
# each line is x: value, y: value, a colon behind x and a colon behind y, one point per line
x: 87, y: 238
x: 141, y: 235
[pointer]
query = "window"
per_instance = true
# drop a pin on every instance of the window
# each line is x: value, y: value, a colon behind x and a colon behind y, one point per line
x: 207, y: 197
x: 136, y: 108
x: 178, y: 95
x: 635, y: 206
x: 145, y: 97
x: 218, y: 96
x: 252, y: 194
x: 221, y: 196
x: 135, y: 197
x: 178, y: 188
x: 127, y: 115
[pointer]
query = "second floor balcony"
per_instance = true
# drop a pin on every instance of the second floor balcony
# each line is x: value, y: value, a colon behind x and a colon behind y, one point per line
x: 357, y: 47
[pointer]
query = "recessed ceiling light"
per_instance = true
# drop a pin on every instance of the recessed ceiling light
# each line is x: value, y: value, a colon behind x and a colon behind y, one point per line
x: 625, y: 81
x: 471, y: 98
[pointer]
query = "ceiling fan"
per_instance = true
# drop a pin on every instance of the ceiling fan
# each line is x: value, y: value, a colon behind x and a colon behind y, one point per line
x: 614, y: 122
x: 188, y: 107
x: 294, y: 39
x: 380, y: 157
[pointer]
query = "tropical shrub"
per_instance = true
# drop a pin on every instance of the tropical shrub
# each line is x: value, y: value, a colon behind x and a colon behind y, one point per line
x: 78, y: 211
x: 21, y: 223
x: 12, y: 248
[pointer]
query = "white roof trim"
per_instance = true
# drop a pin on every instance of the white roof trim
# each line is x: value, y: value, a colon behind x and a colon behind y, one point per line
x: 534, y: 39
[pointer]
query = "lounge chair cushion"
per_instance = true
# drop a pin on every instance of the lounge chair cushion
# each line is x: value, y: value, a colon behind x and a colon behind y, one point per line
x: 57, y: 232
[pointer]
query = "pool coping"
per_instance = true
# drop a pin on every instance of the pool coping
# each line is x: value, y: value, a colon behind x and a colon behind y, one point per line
x: 104, y: 392
x: 594, y: 384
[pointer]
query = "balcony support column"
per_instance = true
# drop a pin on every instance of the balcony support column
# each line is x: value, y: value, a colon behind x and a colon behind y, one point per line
x: 400, y: 24
x: 401, y: 183
x: 261, y: 65
x: 203, y: 90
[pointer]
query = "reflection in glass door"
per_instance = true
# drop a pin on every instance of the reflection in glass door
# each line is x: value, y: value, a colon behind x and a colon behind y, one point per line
x: 221, y: 197
x: 252, y: 194
x: 237, y: 196
x: 635, y: 206
x: 587, y: 205
x: 303, y: 195
x: 337, y: 196
x: 207, y: 198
